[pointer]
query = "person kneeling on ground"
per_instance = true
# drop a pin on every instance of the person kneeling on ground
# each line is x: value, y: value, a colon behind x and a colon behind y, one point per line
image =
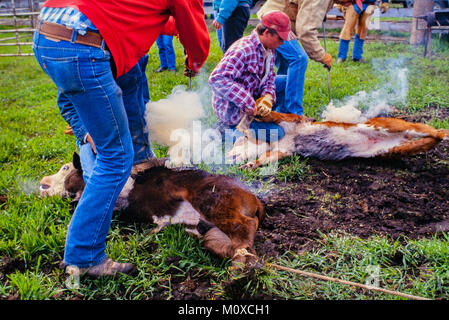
x: 292, y: 57
x: 243, y: 82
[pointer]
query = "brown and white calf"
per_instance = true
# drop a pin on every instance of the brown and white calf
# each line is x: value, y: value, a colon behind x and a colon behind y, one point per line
x: 376, y: 137
x: 217, y: 208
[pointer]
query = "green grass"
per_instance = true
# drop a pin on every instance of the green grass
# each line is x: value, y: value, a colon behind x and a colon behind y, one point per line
x: 392, y: 263
x: 32, y: 230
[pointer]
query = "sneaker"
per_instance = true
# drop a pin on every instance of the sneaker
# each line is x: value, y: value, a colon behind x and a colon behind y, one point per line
x: 107, y: 268
x: 340, y: 60
x: 158, y: 70
x: 172, y: 70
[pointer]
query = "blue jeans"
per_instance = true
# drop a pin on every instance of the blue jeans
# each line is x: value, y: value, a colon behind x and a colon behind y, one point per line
x: 166, y: 52
x: 291, y: 61
x: 234, y: 26
x: 343, y: 48
x: 219, y: 33
x: 135, y: 93
x: 83, y: 74
x: 264, y: 131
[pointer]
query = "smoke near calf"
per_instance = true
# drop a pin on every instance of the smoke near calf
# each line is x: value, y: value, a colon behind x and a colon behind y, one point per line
x: 379, y: 102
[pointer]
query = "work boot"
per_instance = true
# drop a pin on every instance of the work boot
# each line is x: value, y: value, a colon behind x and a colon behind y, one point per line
x: 357, y: 51
x: 108, y: 268
x: 158, y: 70
x: 359, y: 60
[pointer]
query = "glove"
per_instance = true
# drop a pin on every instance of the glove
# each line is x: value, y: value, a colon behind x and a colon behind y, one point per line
x: 339, y: 7
x: 264, y: 105
x: 190, y: 73
x: 187, y: 71
x: 327, y: 61
x: 384, y: 7
x: 68, y: 130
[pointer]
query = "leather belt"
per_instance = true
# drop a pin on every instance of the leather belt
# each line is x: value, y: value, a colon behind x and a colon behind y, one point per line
x: 60, y: 32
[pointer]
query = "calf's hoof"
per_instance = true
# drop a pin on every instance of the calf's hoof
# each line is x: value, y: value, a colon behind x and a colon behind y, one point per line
x: 246, y: 259
x: 251, y: 165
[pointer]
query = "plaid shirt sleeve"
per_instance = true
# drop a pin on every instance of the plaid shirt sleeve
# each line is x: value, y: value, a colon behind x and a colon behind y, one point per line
x: 222, y: 80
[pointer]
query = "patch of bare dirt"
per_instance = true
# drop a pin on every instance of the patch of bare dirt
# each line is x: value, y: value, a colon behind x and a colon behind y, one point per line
x: 3, y: 198
x: 363, y: 197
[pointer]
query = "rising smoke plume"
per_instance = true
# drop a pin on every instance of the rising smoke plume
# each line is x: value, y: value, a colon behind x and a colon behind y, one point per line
x: 379, y: 102
x: 180, y: 120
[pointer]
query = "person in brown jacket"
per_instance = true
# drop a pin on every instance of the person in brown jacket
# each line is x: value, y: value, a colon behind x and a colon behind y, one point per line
x: 357, y: 13
x: 306, y: 18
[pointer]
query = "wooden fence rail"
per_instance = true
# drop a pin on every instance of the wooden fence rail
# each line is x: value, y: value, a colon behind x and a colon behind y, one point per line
x: 26, y: 15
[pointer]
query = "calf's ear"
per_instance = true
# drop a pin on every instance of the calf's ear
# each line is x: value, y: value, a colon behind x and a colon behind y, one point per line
x: 76, y: 161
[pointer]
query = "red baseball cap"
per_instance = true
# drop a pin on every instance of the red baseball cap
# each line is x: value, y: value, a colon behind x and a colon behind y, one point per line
x: 280, y: 22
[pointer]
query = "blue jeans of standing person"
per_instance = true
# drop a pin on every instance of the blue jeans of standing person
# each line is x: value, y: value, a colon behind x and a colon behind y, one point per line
x: 135, y: 94
x: 234, y: 26
x: 281, y: 84
x: 291, y: 62
x: 167, y: 54
x: 83, y: 74
x: 219, y: 33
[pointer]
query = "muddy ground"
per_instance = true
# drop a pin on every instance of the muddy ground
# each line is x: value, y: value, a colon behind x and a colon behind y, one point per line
x: 362, y: 197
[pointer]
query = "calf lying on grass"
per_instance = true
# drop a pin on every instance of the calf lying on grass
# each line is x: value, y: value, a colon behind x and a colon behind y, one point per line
x: 376, y: 137
x: 217, y: 208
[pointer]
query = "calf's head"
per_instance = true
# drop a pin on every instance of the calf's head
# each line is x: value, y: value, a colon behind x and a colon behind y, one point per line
x: 67, y: 182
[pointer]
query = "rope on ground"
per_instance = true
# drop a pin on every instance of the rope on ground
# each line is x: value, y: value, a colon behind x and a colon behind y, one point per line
x: 355, y: 284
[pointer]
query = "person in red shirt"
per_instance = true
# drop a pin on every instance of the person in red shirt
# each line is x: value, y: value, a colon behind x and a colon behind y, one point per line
x: 85, y: 46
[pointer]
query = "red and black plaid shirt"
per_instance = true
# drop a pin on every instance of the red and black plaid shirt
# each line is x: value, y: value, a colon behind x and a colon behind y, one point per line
x: 238, y: 79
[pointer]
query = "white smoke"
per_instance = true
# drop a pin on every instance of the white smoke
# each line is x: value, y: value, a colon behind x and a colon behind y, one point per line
x: 183, y: 122
x: 170, y: 122
x: 346, y: 113
x: 27, y: 186
x: 177, y: 111
x: 366, y: 105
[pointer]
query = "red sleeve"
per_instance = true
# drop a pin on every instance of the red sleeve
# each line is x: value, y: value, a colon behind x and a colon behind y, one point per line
x: 193, y: 32
x: 170, y: 28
